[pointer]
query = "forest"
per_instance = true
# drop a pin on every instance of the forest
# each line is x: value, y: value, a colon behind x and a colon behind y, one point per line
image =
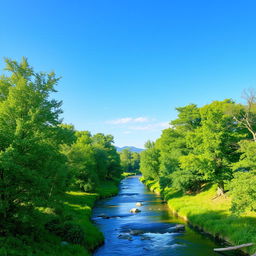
x: 213, y: 144
x: 204, y: 166
x: 47, y: 169
x: 130, y: 161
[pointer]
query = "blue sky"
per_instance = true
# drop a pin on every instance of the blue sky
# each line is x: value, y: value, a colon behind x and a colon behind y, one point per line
x: 126, y: 64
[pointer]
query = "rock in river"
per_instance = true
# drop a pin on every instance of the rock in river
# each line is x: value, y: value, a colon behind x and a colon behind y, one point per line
x: 135, y: 210
x: 136, y: 232
x: 103, y: 216
x: 123, y: 236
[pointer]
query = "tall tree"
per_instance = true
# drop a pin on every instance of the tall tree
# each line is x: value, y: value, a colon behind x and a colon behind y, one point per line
x: 82, y: 162
x: 149, y: 166
x: 245, y: 115
x: 135, y: 165
x: 214, y: 144
x: 32, y: 170
x: 130, y: 161
x: 188, y: 118
x: 172, y: 146
x: 126, y: 160
x: 110, y: 159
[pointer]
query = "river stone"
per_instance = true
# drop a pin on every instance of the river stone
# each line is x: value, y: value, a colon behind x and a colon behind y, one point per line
x: 103, y: 216
x: 123, y: 236
x: 135, y: 210
x: 138, y: 204
x: 136, y: 232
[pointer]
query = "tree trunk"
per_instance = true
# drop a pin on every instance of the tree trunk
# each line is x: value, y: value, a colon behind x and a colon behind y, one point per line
x: 220, y: 190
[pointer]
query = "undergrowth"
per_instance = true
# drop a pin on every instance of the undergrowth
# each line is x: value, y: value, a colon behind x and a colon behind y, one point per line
x: 68, y: 230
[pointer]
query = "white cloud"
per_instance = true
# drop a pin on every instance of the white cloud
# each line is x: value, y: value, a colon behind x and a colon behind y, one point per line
x: 127, y: 132
x: 151, y: 127
x: 127, y: 120
x: 131, y: 124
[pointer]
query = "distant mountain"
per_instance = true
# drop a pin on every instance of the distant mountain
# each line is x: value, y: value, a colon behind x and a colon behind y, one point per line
x: 131, y: 148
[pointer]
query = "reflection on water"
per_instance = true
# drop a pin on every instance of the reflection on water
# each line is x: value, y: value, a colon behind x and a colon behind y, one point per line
x: 151, y: 232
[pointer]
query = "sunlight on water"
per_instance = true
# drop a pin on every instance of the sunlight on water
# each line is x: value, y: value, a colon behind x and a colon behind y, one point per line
x: 151, y: 232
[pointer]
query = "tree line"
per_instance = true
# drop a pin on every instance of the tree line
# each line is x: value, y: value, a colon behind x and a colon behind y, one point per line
x: 130, y: 161
x: 212, y: 144
x: 40, y: 157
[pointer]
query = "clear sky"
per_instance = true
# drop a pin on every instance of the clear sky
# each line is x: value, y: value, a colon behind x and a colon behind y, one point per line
x: 126, y: 64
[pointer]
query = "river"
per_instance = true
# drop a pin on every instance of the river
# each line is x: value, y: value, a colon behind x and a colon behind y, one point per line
x: 155, y: 225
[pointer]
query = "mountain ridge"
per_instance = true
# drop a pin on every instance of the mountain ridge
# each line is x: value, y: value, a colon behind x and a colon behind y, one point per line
x: 131, y: 148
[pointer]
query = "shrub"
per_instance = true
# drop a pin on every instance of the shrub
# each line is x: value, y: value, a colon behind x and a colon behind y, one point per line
x: 165, y: 181
x: 186, y: 181
x: 88, y: 187
x: 243, y: 192
x: 68, y: 231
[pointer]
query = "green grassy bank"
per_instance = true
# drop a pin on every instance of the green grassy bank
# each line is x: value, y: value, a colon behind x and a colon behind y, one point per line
x: 75, y: 220
x: 212, y: 214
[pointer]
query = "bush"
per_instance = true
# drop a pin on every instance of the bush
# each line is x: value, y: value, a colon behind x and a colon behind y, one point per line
x: 186, y: 181
x: 165, y: 181
x: 68, y: 231
x: 243, y: 192
x: 88, y: 187
x: 12, y: 246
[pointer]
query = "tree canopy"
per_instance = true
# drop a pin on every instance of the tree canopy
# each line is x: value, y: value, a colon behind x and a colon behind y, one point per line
x: 204, y: 145
x: 40, y: 157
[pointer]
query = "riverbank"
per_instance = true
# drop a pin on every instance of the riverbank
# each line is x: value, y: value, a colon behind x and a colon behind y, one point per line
x: 211, y: 214
x: 153, y: 231
x: 79, y: 206
x: 74, y: 235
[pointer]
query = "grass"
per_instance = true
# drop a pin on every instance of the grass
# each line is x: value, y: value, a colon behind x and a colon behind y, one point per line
x: 108, y: 189
x: 152, y: 185
x: 212, y: 214
x: 127, y: 174
x: 79, y: 205
x: 77, y: 208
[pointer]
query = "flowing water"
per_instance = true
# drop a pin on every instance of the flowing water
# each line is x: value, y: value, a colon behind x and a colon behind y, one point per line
x: 151, y: 232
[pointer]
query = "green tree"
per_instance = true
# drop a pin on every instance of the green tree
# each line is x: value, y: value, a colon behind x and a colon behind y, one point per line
x: 82, y: 162
x: 126, y: 160
x: 171, y: 145
x: 247, y: 160
x: 149, y: 166
x: 107, y: 156
x: 135, y: 162
x: 242, y: 187
x: 188, y: 119
x: 243, y: 192
x: 32, y: 169
x: 245, y: 115
x: 214, y: 144
x: 130, y: 161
